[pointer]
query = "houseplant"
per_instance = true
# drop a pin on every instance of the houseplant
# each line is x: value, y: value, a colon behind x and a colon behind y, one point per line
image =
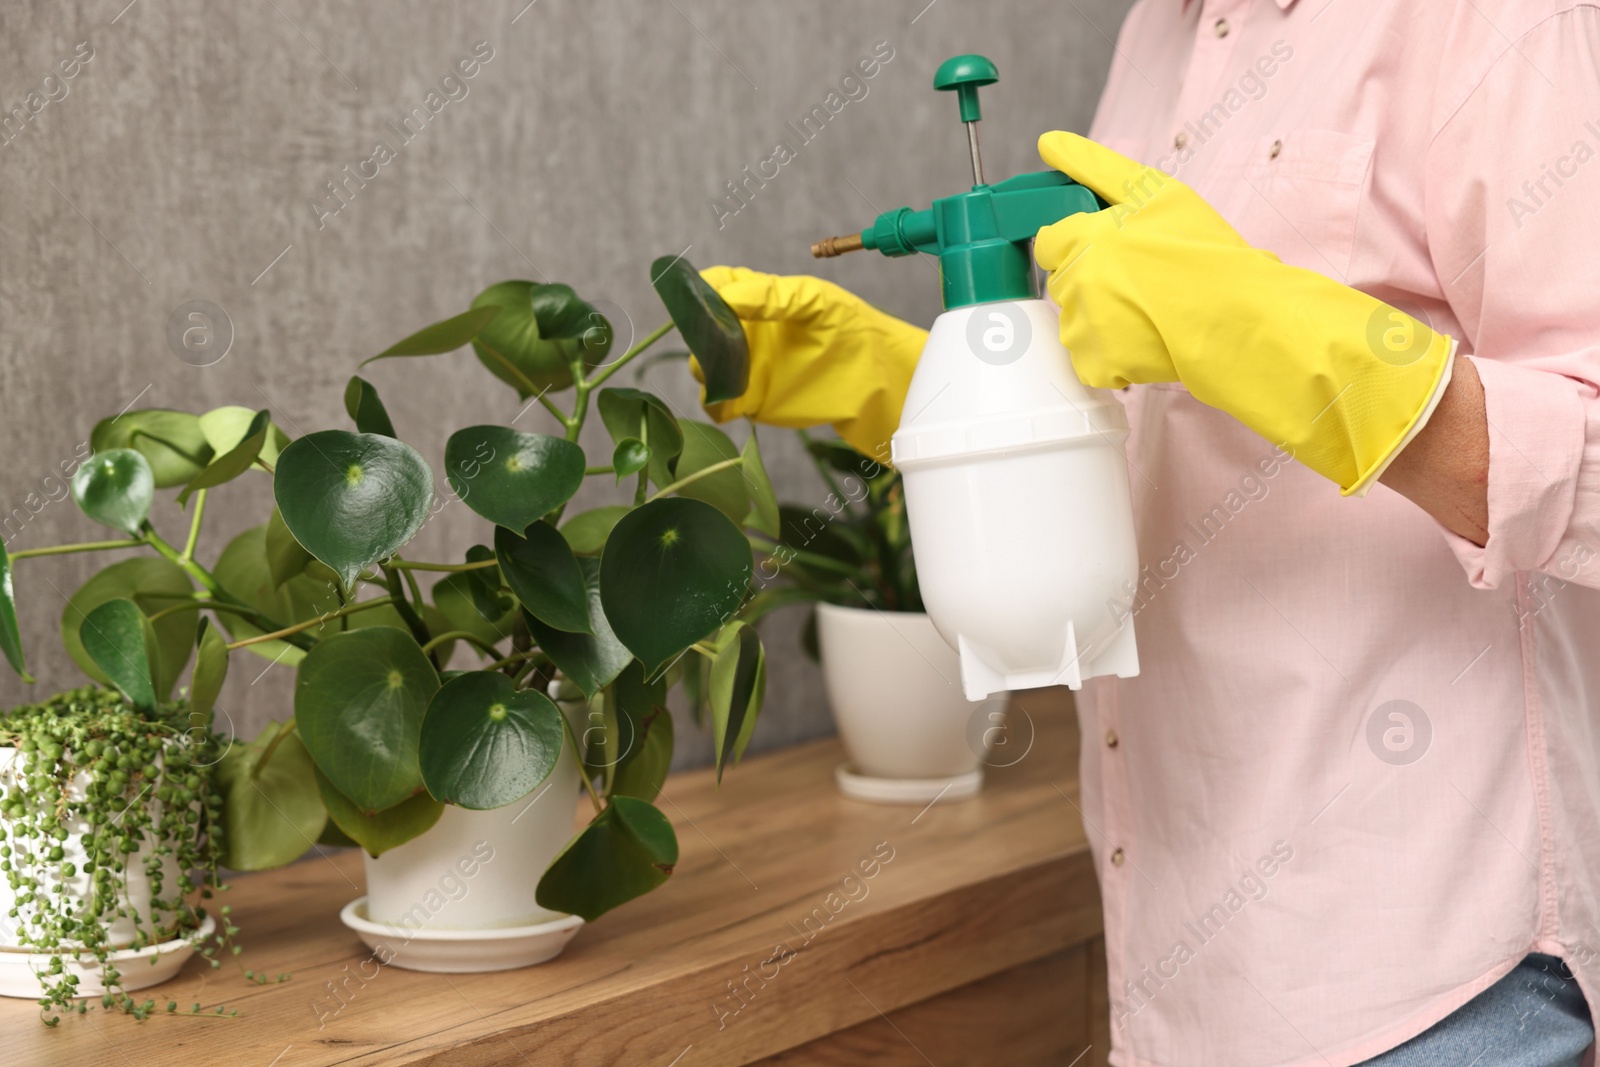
x: 386, y: 741
x: 103, y: 853
x: 893, y: 683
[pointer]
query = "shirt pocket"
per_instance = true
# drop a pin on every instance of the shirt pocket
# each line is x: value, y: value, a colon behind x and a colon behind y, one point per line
x: 1298, y: 194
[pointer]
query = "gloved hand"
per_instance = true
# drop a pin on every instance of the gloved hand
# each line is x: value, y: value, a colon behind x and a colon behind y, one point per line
x: 1159, y: 288
x: 818, y: 354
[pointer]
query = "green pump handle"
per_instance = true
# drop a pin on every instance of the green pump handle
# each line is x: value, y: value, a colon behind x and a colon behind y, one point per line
x: 982, y: 236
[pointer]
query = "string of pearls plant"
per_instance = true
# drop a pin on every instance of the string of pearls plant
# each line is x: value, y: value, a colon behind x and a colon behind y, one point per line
x: 97, y: 794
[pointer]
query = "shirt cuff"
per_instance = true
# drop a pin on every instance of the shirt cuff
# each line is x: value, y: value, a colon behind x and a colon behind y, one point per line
x: 1536, y: 449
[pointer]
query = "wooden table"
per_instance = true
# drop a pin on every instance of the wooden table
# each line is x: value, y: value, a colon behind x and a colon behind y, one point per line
x: 976, y: 943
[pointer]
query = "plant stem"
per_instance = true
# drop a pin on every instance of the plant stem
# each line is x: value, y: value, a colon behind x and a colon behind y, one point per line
x: 811, y: 558
x: 194, y: 570
x: 524, y: 382
x: 649, y: 339
x: 194, y: 526
x: 195, y: 604
x: 703, y: 472
x: 460, y: 635
x: 85, y: 546
x: 515, y: 657
x: 350, y: 609
x: 408, y: 614
x: 644, y: 472
x: 583, y: 772
x: 272, y: 746
x: 208, y: 580
x: 414, y: 565
x: 823, y: 469
x: 411, y: 583
x: 607, y: 469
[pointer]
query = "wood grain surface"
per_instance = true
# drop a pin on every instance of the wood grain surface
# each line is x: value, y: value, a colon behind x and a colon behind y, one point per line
x: 756, y: 946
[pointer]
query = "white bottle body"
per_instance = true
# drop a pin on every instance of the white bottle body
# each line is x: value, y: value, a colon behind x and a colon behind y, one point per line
x: 1017, y: 495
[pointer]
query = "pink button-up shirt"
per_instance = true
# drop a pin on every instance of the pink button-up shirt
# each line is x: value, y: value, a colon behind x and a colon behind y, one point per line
x: 1359, y: 776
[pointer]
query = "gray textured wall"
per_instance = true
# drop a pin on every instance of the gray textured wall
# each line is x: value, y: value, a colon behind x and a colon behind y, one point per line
x: 184, y: 157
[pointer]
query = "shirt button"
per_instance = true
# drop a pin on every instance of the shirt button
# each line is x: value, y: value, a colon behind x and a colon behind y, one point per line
x: 1180, y: 140
x: 1117, y: 857
x: 1111, y: 739
x: 1221, y: 26
x: 1277, y: 147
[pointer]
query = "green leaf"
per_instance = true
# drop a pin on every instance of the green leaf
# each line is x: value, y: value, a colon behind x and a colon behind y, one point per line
x: 763, y: 501
x: 271, y: 812
x: 590, y: 661
x: 244, y: 571
x: 359, y: 703
x: 352, y: 499
x: 544, y: 574
x: 378, y: 832
x: 726, y: 490
x: 695, y: 675
x: 625, y: 852
x: 119, y: 639
x: 484, y: 584
x: 485, y: 744
x: 629, y: 457
x: 673, y: 571
x: 333, y: 837
x: 708, y: 326
x: 225, y: 427
x: 171, y: 441
x: 738, y: 686
x: 115, y: 488
x: 843, y: 458
x: 228, y: 466
x: 645, y: 726
x: 539, y: 331
x: 512, y: 478
x: 286, y: 557
x: 362, y: 403
x: 587, y: 531
x: 441, y: 337
x: 774, y: 597
x: 10, y: 634
x: 644, y: 771
x: 210, y: 671
x: 153, y: 584
x: 819, y: 533
x: 454, y: 597
x: 637, y: 415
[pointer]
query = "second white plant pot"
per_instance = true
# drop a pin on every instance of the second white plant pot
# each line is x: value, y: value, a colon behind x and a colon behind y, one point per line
x: 895, y: 688
x: 460, y: 897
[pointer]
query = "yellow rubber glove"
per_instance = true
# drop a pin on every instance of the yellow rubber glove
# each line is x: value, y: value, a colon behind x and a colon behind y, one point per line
x: 818, y: 354
x: 1159, y: 288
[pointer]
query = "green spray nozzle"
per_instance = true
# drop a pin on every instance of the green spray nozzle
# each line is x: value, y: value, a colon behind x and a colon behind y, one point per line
x: 981, y: 236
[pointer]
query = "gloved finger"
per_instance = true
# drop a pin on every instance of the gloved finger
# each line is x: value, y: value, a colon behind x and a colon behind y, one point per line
x: 758, y: 297
x: 1061, y: 243
x: 1115, y: 177
x: 720, y: 277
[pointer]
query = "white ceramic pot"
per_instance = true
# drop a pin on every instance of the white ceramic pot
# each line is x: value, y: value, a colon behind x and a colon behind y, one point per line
x: 430, y: 901
x: 895, y: 689
x: 136, y: 886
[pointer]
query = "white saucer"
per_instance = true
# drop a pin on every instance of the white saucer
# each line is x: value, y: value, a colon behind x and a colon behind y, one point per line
x: 906, y: 790
x: 500, y: 948
x: 141, y: 967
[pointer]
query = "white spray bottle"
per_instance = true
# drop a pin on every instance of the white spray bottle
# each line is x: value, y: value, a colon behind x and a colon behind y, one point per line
x: 1016, y: 483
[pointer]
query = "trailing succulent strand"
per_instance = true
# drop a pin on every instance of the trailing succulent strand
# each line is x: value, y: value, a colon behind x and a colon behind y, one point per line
x: 98, y: 790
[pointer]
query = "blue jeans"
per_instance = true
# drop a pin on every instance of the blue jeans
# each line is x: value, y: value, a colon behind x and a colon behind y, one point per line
x: 1533, y: 1017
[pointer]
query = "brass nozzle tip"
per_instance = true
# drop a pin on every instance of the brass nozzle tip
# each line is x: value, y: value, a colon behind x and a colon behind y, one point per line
x: 829, y: 247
